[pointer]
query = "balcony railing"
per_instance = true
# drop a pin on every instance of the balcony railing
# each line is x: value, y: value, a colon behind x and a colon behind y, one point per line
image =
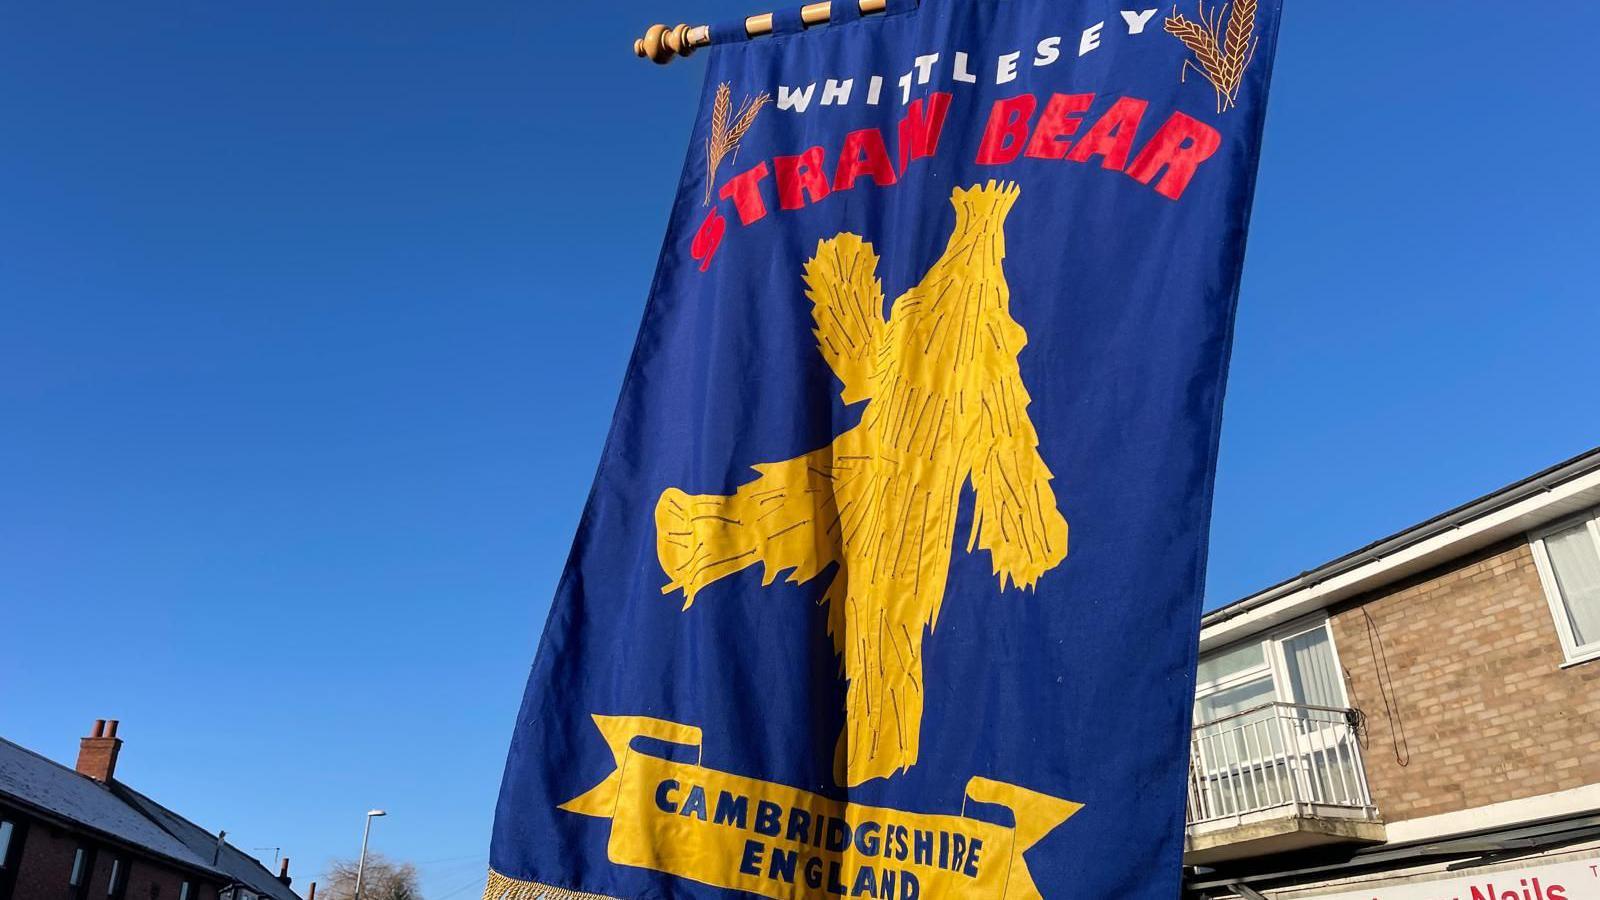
x: 1282, y: 757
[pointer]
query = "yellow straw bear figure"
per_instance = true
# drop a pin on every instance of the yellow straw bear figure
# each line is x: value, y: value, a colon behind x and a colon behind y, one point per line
x: 945, y: 405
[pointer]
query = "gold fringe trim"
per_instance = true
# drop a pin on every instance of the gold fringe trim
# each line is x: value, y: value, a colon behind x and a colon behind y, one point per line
x: 502, y: 888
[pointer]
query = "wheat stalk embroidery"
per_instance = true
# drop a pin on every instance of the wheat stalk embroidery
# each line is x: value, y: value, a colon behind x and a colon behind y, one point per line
x: 1223, y: 42
x: 728, y: 128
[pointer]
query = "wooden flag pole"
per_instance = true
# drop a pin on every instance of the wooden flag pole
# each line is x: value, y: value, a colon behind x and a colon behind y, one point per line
x: 660, y: 43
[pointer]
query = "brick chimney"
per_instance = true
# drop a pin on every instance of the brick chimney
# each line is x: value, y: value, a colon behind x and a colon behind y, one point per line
x: 283, y: 872
x: 97, y: 753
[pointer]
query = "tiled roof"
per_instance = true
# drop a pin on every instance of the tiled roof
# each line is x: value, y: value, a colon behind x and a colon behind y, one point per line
x: 238, y: 865
x: 62, y: 793
x: 125, y: 815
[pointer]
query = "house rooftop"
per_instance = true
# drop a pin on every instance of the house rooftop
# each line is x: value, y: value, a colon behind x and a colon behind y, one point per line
x: 237, y: 864
x: 1564, y: 488
x: 116, y: 812
x: 60, y: 793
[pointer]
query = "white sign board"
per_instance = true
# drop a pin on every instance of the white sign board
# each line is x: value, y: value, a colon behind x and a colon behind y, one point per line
x: 1571, y: 880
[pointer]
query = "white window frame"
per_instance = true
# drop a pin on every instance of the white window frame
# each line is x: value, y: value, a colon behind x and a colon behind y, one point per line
x: 1572, y: 652
x: 1276, y: 663
x: 1207, y: 688
x: 1280, y: 661
x: 80, y: 858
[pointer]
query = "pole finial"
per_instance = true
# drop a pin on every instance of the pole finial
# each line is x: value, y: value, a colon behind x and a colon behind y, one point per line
x: 661, y: 44
x: 653, y: 45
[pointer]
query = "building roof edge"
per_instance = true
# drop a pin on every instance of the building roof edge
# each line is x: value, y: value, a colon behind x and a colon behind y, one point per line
x: 1445, y: 529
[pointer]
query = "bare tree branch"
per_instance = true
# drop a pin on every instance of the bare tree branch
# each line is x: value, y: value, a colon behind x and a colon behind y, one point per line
x: 384, y: 879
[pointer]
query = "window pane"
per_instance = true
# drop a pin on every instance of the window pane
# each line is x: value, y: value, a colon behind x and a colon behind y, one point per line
x: 5, y: 843
x: 1313, y: 678
x: 1233, y: 700
x: 1238, y: 757
x: 77, y: 868
x: 1231, y: 662
x: 1577, y: 570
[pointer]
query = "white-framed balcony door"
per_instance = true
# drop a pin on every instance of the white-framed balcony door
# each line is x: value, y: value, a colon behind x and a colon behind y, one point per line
x: 1234, y: 755
x: 1271, y: 728
x: 1325, y: 762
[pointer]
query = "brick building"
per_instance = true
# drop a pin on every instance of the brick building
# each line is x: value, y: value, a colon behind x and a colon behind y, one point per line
x: 1416, y: 720
x: 79, y: 834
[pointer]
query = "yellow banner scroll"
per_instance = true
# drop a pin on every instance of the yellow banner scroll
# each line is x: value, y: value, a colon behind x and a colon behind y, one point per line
x: 781, y: 842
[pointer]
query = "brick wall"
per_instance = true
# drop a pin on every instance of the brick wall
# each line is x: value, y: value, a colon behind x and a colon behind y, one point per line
x: 1459, y: 673
x: 152, y: 882
x: 45, y: 862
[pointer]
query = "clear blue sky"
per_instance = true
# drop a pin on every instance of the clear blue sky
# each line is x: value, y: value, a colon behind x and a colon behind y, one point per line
x: 314, y: 315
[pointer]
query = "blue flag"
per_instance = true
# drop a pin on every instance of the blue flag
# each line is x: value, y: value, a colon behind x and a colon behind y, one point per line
x: 890, y: 578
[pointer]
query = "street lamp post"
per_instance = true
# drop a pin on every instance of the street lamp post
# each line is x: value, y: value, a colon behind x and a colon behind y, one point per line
x: 361, y: 867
